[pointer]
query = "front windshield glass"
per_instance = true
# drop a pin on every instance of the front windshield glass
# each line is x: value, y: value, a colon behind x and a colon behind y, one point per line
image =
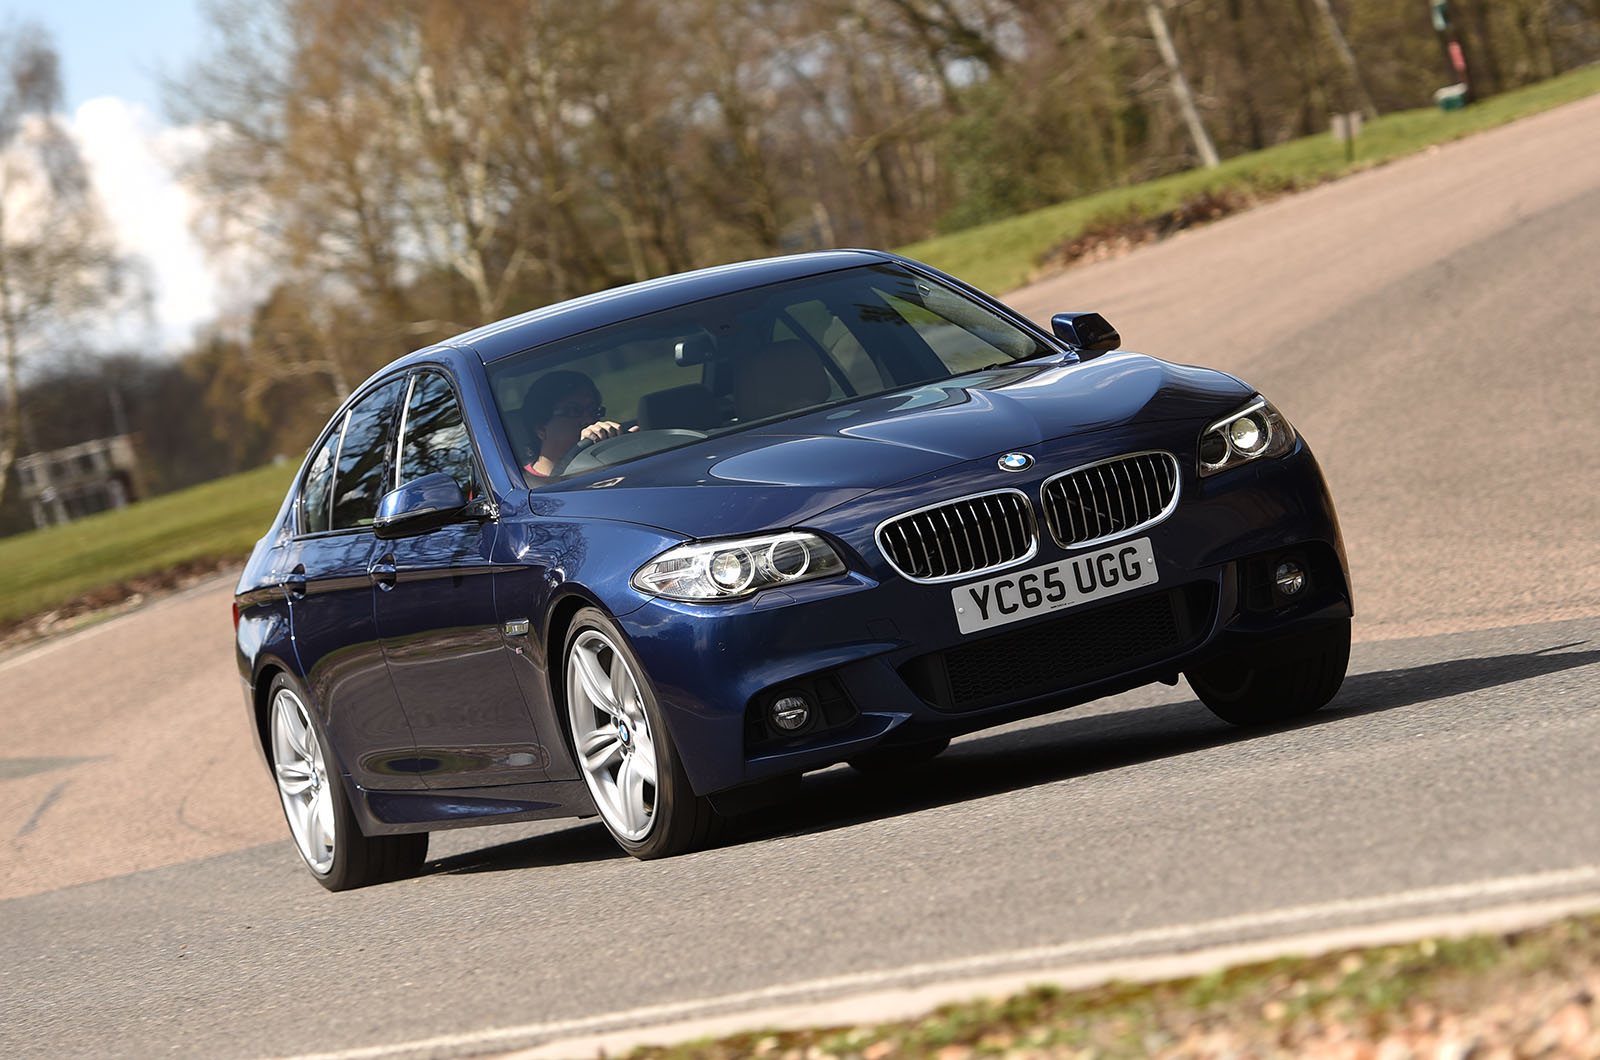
x: 723, y: 364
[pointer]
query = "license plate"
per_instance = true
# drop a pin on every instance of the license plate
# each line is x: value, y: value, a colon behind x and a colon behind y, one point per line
x: 1055, y: 586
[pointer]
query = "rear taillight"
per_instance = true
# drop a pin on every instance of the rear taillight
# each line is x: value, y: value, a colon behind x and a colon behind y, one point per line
x: 236, y: 616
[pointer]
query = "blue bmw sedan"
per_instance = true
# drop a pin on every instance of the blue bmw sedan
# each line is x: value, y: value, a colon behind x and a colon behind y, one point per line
x: 654, y: 553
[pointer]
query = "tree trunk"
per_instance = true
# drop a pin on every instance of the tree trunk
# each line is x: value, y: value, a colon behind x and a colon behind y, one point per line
x: 1180, y: 86
x: 11, y: 427
x: 1318, y: 101
x: 1487, y: 78
x: 1533, y: 22
x: 1241, y: 55
x: 1347, y: 57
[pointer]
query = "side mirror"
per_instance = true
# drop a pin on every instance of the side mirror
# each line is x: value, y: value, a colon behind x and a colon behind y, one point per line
x: 421, y: 505
x: 1088, y: 333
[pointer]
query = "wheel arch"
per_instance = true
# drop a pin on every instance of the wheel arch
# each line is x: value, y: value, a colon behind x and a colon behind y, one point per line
x: 563, y: 609
x: 267, y: 670
x: 681, y: 818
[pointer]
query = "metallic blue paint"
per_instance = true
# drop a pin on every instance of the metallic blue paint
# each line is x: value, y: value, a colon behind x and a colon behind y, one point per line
x: 439, y: 716
x: 426, y: 502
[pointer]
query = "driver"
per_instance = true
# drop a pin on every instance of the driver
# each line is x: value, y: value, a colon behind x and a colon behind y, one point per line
x: 557, y: 407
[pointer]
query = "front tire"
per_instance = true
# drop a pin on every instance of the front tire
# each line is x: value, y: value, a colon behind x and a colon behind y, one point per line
x: 623, y: 749
x: 330, y: 841
x: 1276, y: 683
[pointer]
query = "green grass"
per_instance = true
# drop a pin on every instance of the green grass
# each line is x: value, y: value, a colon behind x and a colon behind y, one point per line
x: 216, y: 521
x: 1003, y: 255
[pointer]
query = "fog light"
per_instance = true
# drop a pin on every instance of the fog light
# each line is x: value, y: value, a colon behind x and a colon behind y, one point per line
x: 790, y: 713
x: 1289, y: 578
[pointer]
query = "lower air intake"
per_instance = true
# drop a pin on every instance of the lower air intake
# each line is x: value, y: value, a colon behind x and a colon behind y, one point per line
x: 1061, y: 653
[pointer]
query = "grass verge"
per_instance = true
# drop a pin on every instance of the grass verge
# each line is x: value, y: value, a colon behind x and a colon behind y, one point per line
x: 1005, y: 254
x: 205, y: 525
x: 1528, y: 994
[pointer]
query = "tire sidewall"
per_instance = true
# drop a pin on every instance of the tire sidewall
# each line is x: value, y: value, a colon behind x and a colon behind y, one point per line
x: 1279, y: 683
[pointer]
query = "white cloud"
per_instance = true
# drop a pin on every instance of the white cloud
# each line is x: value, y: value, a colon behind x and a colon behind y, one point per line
x: 133, y: 160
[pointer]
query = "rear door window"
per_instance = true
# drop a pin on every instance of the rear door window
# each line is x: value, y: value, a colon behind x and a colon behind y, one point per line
x: 363, y: 457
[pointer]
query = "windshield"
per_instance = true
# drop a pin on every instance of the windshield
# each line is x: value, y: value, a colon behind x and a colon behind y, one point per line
x: 723, y: 364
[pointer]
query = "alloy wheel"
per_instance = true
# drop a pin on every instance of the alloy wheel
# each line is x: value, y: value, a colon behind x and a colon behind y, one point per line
x: 612, y: 735
x: 301, y: 771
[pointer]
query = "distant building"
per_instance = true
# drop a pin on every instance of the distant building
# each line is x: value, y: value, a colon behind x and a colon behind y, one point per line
x: 67, y: 484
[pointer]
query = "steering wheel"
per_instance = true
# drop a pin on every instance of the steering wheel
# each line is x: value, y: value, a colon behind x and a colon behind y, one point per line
x: 559, y: 468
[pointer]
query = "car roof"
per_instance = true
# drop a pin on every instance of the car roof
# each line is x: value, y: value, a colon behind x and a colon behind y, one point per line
x: 565, y: 319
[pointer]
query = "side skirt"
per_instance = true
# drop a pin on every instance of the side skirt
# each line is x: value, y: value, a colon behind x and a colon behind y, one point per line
x: 396, y: 812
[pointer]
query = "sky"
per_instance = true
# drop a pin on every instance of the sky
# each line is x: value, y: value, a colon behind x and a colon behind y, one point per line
x: 116, y: 49
x: 113, y: 57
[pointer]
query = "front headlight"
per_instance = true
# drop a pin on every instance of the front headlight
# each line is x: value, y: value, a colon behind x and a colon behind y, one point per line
x: 730, y: 570
x: 1254, y: 431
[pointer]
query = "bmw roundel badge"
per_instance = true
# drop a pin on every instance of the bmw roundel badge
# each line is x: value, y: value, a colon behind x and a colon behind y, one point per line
x: 1016, y: 462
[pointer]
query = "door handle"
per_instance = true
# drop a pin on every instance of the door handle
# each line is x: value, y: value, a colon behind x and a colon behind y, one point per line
x: 383, y: 572
x: 295, y: 582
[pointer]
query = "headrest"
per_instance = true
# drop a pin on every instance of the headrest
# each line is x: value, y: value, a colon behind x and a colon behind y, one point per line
x: 690, y: 405
x: 785, y: 375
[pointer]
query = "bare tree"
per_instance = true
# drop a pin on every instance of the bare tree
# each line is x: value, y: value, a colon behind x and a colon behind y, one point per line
x: 301, y: 166
x: 1180, y: 85
x: 55, y: 260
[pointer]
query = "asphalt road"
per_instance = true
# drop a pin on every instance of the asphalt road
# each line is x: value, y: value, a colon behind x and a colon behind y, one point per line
x: 1430, y: 326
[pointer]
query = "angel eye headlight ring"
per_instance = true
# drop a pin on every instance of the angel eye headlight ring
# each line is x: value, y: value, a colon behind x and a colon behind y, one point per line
x: 788, y: 557
x: 711, y: 571
x: 1254, y: 431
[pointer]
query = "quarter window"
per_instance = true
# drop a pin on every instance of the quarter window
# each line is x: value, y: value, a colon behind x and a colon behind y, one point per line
x: 434, y: 438
x: 363, y: 456
x: 318, y: 483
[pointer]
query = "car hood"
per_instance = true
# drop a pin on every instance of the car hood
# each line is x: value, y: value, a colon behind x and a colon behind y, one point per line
x: 783, y: 473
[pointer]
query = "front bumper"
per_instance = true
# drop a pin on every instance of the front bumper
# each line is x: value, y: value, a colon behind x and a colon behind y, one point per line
x: 883, y: 662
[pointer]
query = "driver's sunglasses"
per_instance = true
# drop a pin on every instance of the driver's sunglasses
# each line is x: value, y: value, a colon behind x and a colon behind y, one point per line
x: 594, y: 412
